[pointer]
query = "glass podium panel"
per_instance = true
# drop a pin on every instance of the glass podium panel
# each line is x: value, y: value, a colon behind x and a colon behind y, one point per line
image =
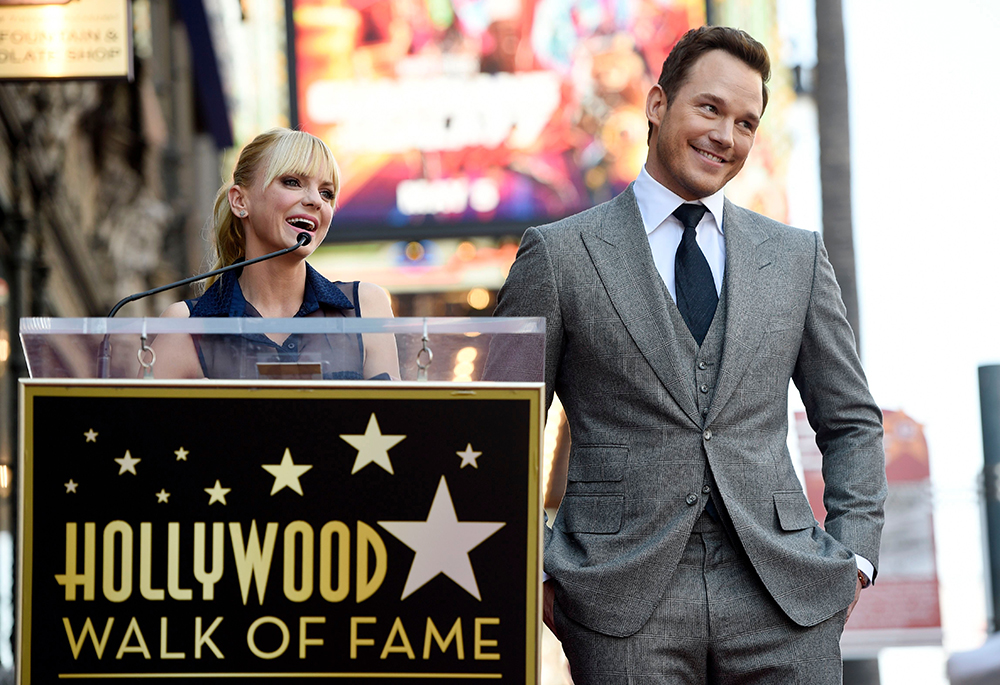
x: 432, y: 349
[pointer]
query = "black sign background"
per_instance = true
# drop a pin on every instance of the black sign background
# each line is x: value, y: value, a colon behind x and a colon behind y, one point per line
x: 228, y: 436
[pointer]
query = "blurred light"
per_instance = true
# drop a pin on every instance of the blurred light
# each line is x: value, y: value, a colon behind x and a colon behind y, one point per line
x: 467, y: 354
x: 464, y: 369
x: 414, y: 251
x: 465, y: 251
x: 595, y: 177
x: 553, y: 423
x: 462, y: 379
x: 472, y: 334
x: 484, y: 196
x: 4, y: 478
x: 4, y: 350
x: 479, y: 298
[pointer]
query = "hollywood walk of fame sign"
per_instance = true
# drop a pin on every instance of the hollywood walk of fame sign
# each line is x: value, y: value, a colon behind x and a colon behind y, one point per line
x: 266, y: 531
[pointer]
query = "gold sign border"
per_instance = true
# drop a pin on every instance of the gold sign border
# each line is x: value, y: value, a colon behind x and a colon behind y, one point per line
x: 33, y: 388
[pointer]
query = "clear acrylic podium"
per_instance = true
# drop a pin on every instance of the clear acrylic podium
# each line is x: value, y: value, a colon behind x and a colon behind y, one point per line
x: 280, y: 523
x: 432, y: 349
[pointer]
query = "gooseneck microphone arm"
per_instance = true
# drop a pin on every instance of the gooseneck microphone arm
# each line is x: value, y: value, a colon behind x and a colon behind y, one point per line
x: 300, y: 241
x: 104, y: 357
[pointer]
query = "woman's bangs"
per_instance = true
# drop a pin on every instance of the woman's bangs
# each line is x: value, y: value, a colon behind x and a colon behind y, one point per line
x: 302, y: 154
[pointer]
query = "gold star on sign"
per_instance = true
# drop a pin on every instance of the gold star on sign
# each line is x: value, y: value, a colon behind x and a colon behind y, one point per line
x: 71, y: 485
x: 127, y: 464
x: 286, y: 474
x: 162, y: 496
x: 91, y: 435
x: 469, y: 457
x: 373, y: 447
x: 182, y: 454
x: 218, y: 493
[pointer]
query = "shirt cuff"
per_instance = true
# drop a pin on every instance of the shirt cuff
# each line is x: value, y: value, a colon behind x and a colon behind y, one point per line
x: 865, y: 566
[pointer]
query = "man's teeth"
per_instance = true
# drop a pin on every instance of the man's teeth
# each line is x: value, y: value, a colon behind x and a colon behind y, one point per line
x: 303, y: 223
x: 710, y: 156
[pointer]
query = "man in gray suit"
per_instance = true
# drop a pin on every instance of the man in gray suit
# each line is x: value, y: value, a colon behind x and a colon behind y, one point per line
x: 684, y: 550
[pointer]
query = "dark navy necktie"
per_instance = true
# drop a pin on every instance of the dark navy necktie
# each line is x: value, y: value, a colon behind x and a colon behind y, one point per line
x: 696, y: 294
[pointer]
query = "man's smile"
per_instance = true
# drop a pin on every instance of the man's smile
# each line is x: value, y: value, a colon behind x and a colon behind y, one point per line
x: 709, y: 156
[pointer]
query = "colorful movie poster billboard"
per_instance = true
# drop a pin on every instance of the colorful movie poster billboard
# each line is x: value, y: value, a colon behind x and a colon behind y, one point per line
x: 480, y: 112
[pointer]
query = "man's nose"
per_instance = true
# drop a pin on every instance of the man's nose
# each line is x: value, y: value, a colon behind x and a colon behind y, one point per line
x: 722, y: 132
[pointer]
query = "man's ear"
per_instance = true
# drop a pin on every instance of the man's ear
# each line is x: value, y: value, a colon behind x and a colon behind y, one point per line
x: 238, y: 200
x: 656, y: 105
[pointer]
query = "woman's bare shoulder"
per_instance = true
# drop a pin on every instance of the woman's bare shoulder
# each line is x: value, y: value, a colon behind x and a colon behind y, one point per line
x: 374, y: 300
x: 178, y: 310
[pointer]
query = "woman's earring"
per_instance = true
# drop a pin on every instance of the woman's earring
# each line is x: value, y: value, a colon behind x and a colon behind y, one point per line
x: 243, y: 213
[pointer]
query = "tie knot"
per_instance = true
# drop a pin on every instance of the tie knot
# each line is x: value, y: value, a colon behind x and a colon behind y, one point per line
x: 690, y: 214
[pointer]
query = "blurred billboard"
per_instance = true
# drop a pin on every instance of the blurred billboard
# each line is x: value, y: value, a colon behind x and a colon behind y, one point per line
x: 479, y: 116
x: 902, y: 608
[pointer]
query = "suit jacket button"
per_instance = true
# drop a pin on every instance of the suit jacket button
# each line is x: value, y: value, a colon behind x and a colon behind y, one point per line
x: 691, y: 499
x: 707, y: 435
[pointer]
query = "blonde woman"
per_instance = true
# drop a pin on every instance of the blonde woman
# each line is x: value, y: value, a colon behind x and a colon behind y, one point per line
x: 285, y: 183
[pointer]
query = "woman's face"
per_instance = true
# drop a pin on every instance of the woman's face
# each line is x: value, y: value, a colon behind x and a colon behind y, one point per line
x: 292, y: 203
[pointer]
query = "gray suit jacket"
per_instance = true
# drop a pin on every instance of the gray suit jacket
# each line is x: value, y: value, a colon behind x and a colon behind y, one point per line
x: 614, y: 354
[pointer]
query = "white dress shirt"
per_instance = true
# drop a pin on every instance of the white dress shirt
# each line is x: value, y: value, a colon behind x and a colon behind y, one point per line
x: 664, y: 231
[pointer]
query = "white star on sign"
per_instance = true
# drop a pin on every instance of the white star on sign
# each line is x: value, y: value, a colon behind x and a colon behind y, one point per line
x: 71, y: 485
x: 469, y: 457
x: 91, y: 435
x: 442, y: 544
x: 127, y: 464
x: 182, y: 454
x: 286, y: 474
x: 162, y: 496
x: 218, y: 493
x: 373, y: 447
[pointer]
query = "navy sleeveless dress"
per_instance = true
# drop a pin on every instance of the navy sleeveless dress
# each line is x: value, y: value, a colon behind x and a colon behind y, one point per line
x: 341, y: 356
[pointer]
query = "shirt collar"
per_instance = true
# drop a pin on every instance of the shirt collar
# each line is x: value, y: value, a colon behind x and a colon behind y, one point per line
x: 657, y: 202
x: 225, y: 297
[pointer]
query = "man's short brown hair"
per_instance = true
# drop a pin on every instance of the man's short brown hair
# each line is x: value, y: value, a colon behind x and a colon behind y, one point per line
x: 697, y: 42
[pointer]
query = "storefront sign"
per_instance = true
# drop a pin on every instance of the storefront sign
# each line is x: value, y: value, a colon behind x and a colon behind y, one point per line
x: 74, y: 39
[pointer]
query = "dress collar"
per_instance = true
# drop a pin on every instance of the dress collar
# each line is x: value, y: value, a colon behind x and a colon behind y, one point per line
x: 225, y: 297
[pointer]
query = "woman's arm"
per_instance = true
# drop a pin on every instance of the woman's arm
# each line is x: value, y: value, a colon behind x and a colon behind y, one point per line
x: 380, y: 348
x: 176, y: 356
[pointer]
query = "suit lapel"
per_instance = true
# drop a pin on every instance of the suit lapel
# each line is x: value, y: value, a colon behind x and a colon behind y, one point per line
x: 748, y: 258
x: 620, y: 252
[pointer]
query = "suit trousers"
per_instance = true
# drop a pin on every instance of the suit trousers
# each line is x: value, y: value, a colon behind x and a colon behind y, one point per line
x: 715, y: 624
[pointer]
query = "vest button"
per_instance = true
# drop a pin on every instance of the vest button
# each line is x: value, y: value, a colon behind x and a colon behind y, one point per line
x: 703, y: 388
x: 691, y: 499
x: 706, y: 489
x: 702, y: 365
x: 707, y: 435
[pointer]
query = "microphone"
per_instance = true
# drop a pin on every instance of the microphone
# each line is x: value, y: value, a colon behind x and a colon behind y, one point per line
x: 104, y: 358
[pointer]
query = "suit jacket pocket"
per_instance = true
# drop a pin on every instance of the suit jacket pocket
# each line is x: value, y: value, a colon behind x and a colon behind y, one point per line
x: 794, y: 512
x: 592, y: 513
x: 594, y: 499
x: 594, y: 463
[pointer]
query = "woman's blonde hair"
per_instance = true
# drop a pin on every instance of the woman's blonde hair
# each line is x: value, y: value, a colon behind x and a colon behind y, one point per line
x: 269, y: 155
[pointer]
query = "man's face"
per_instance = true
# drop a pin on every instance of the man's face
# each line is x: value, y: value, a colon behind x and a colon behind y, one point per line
x: 701, y: 140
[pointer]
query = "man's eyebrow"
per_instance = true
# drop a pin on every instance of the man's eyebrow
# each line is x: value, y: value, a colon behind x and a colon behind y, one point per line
x: 716, y: 100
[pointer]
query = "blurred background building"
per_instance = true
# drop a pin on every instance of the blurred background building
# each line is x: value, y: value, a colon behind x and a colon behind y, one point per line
x: 457, y: 124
